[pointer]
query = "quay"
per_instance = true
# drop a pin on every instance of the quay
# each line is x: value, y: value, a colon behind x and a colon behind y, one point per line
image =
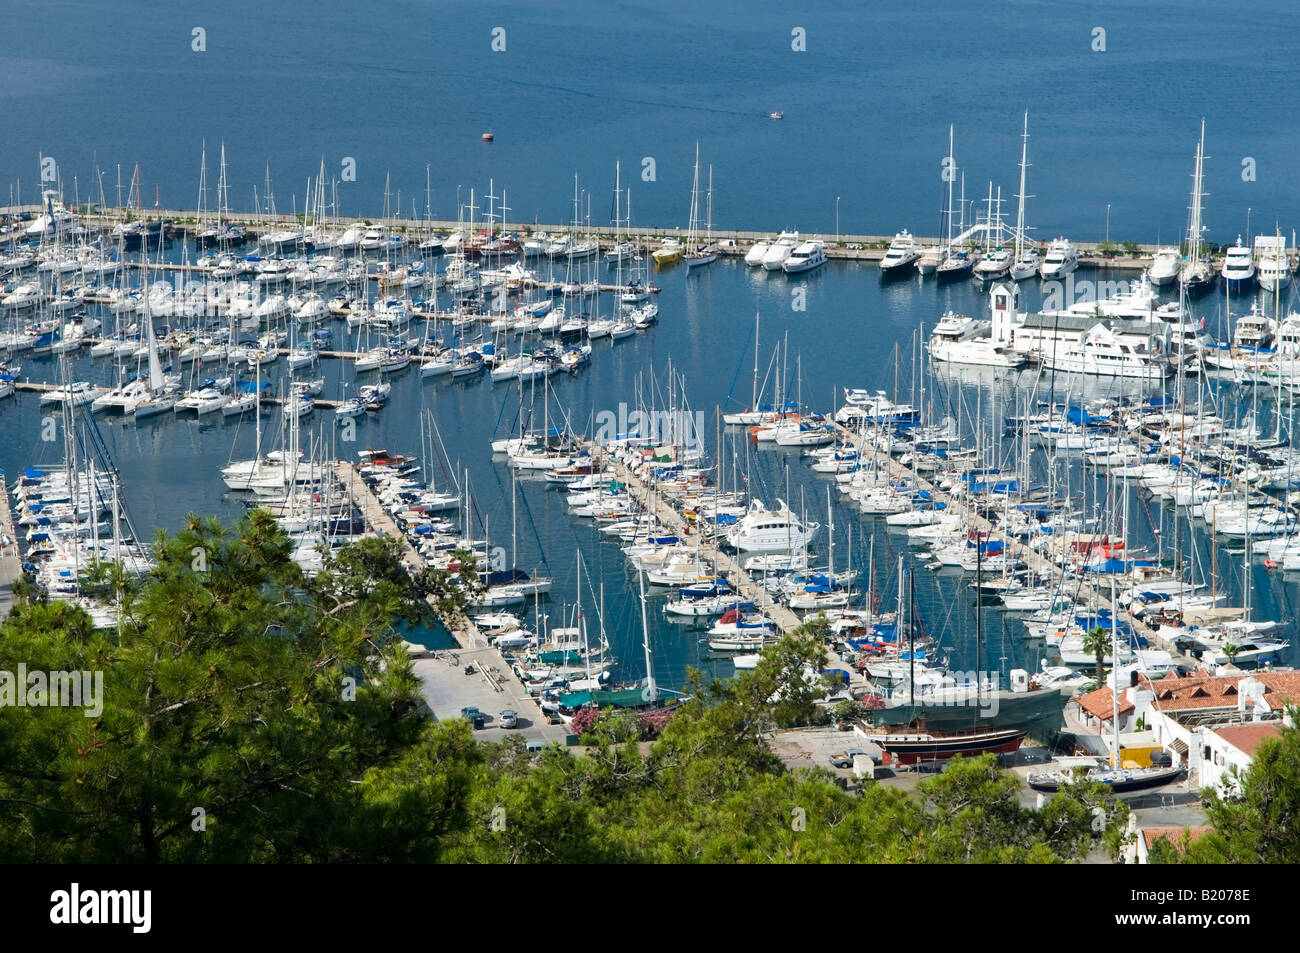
x: 731, y: 242
x: 447, y: 686
x: 709, y: 551
x: 10, y: 563
x: 553, y: 287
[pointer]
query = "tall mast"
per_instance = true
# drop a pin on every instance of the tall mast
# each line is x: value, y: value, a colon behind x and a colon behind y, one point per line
x: 708, y: 219
x: 203, y: 181
x: 952, y: 170
x: 911, y: 632
x: 1020, y: 215
x: 651, y: 694
x: 1114, y: 673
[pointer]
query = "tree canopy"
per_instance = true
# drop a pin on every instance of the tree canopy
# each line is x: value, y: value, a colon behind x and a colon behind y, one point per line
x: 253, y: 715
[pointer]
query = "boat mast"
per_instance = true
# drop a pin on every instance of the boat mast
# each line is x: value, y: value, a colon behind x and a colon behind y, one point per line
x: 979, y: 617
x: 951, y: 175
x: 651, y: 694
x: 1114, y: 673
x: 911, y: 632
x: 1020, y: 214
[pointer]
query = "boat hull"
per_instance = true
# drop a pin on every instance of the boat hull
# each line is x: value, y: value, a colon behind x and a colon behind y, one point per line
x: 925, y: 747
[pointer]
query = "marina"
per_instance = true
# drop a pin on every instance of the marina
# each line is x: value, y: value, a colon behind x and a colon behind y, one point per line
x: 1035, y: 339
x: 587, y: 429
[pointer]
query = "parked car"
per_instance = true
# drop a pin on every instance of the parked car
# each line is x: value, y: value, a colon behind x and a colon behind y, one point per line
x: 509, y: 719
x: 476, y: 717
x: 845, y: 759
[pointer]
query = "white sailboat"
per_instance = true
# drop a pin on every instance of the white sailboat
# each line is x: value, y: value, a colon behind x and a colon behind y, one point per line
x: 698, y: 255
x: 1197, y: 275
x: 1027, y: 260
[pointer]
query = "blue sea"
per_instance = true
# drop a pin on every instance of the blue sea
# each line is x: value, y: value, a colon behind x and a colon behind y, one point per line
x: 405, y: 87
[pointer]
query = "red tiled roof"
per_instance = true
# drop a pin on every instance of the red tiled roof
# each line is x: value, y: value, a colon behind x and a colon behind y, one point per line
x: 1173, y: 833
x: 1247, y: 738
x: 1099, y: 704
x: 1202, y: 691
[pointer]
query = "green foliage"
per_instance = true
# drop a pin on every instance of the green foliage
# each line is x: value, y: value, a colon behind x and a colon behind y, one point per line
x: 1097, y: 642
x: 847, y: 711
x: 1262, y: 826
x: 1107, y: 248
x: 226, y: 693
x: 1131, y: 248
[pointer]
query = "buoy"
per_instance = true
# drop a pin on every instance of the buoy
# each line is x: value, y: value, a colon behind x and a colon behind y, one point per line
x: 1269, y: 564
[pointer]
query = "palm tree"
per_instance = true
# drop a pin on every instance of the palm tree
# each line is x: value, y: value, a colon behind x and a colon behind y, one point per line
x: 1097, y: 641
x: 1230, y: 652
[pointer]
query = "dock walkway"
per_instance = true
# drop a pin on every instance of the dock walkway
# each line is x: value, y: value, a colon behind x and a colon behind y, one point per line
x: 10, y: 563
x: 709, y: 551
x: 492, y: 687
x: 1037, y: 563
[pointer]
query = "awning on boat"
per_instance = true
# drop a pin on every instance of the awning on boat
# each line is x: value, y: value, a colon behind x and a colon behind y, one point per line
x: 626, y: 698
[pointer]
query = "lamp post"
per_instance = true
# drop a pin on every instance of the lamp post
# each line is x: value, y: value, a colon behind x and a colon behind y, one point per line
x: 837, y: 219
x: 1108, y: 224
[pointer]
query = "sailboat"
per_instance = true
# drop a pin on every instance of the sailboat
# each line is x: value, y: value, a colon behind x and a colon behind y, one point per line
x: 1197, y: 275
x: 953, y: 264
x: 161, y: 398
x: 707, y: 253
x: 1119, y: 779
x: 623, y: 250
x: 1028, y: 261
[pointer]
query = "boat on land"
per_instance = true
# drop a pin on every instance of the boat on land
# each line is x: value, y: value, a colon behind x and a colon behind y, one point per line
x: 1120, y: 781
x: 928, y: 746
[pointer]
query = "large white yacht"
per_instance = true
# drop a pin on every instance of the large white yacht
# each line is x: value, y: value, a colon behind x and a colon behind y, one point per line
x: 780, y: 250
x: 1027, y: 265
x: 762, y: 530
x: 805, y: 257
x: 1238, y: 267
x: 1104, y: 353
x: 1273, y: 263
x: 1165, y: 267
x: 994, y: 264
x: 961, y: 339
x: 1062, y: 259
x: 901, y: 256
x: 754, y: 257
